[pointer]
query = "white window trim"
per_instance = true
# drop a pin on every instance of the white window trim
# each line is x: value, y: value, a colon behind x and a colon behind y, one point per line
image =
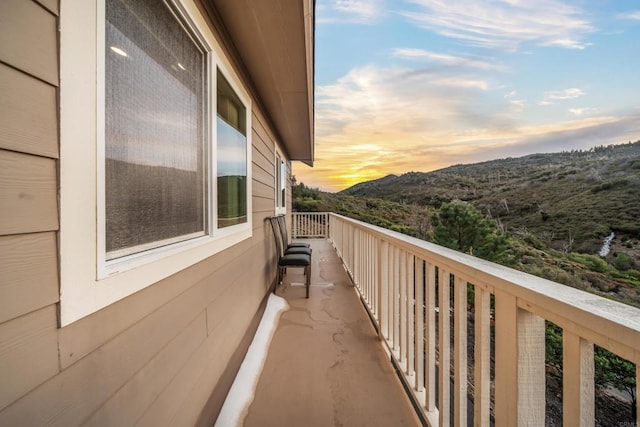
x: 279, y: 180
x: 88, y: 283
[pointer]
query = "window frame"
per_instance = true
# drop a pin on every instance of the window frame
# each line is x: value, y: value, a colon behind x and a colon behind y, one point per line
x: 88, y: 281
x: 281, y: 180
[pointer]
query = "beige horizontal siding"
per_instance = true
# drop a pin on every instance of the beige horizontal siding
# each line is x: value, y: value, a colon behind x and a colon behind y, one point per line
x: 28, y: 119
x: 29, y: 278
x: 80, y: 338
x: 28, y: 356
x: 28, y: 39
x: 145, y: 386
x: 28, y: 193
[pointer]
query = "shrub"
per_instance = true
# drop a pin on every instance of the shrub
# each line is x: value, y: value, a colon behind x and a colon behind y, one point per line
x: 623, y: 262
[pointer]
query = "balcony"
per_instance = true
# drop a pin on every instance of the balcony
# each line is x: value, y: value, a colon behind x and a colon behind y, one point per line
x: 466, y: 337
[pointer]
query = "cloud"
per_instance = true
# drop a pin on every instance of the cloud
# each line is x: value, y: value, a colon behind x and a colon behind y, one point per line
x: 561, y: 95
x: 349, y: 11
x: 504, y: 24
x: 378, y: 120
x: 582, y: 111
x: 633, y: 15
x: 445, y: 59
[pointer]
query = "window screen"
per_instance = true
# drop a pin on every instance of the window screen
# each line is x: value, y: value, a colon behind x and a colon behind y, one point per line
x: 155, y: 157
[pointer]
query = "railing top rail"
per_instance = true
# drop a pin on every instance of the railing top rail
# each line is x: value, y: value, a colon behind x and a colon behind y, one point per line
x: 591, y: 316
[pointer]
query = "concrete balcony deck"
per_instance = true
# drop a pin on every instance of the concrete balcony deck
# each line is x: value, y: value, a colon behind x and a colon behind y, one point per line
x: 326, y: 365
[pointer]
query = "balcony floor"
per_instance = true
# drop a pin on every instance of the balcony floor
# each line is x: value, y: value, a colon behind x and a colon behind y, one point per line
x: 326, y: 366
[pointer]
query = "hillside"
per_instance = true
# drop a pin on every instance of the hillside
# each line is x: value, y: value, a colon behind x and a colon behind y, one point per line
x: 555, y: 210
x: 570, y: 200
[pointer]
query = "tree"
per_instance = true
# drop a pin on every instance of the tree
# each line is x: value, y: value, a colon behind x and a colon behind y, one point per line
x: 461, y: 227
x: 614, y: 371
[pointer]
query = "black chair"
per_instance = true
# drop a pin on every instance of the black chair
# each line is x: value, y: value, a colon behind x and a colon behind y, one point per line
x: 290, y: 260
x: 291, y: 247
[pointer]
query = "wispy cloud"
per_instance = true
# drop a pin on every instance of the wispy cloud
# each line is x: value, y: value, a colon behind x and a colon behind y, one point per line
x: 583, y: 111
x: 445, y: 59
x: 634, y: 15
x: 378, y: 120
x: 349, y: 11
x: 504, y: 24
x: 561, y: 95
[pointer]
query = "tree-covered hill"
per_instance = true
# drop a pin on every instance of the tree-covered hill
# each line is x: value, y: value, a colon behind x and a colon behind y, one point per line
x: 570, y: 200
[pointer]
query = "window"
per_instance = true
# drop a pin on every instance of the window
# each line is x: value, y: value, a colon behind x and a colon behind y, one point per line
x: 155, y: 163
x: 281, y: 184
x: 232, y: 156
x: 155, y: 148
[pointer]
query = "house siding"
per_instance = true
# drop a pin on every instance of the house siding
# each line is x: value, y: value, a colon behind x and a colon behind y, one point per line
x: 165, y: 355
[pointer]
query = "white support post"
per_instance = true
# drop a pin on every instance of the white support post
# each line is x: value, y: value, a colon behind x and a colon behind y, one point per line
x: 578, y: 381
x: 419, y: 316
x: 460, y: 353
x: 381, y: 283
x: 430, y: 341
x: 506, y: 360
x: 531, y: 370
x: 444, y: 344
x: 403, y: 310
x: 411, y: 324
x: 396, y: 300
x: 482, y: 358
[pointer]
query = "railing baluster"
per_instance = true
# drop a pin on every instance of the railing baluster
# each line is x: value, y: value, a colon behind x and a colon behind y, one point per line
x: 403, y: 310
x: 444, y: 344
x: 482, y: 358
x: 410, y: 314
x: 506, y: 353
x: 419, y: 322
x: 531, y: 369
x: 577, y: 384
x: 430, y: 341
x: 460, y: 352
x: 396, y: 299
x: 383, y: 288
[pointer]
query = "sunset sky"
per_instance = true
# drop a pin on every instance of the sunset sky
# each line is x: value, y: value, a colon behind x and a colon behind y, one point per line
x: 423, y: 84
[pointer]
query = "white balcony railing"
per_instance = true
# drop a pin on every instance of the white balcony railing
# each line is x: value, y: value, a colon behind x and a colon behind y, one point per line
x: 416, y: 292
x: 310, y: 224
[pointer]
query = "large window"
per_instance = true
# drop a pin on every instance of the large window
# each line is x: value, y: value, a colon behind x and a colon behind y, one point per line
x: 155, y: 148
x: 155, y: 162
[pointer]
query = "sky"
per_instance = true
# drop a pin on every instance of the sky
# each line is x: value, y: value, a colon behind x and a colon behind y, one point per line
x: 419, y: 85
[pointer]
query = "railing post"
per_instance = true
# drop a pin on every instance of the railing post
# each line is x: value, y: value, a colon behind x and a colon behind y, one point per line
x: 404, y: 326
x: 444, y: 343
x: 531, y: 369
x: 577, y: 384
x: 411, y: 324
x: 384, y: 289
x: 430, y: 351
x: 396, y: 299
x: 482, y: 357
x: 506, y: 360
x: 419, y: 307
x: 381, y: 273
x: 460, y: 353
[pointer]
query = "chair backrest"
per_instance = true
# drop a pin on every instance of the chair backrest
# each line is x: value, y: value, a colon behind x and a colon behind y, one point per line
x: 282, y: 221
x: 277, y: 234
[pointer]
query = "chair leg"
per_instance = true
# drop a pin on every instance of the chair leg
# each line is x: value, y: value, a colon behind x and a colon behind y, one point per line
x: 278, y: 278
x: 307, y: 271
